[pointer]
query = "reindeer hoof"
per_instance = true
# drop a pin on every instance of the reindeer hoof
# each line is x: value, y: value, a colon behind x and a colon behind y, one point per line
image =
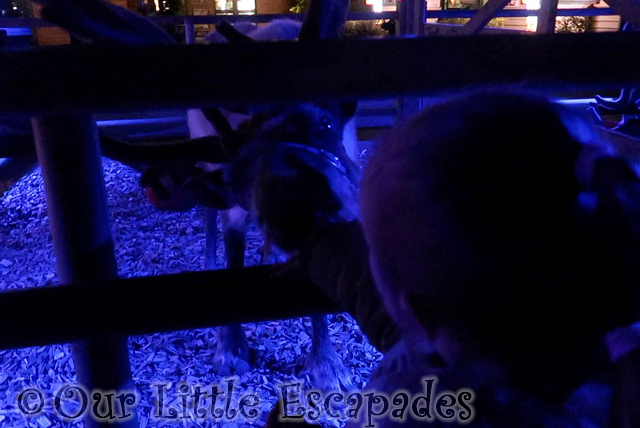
x: 231, y: 359
x: 326, y: 371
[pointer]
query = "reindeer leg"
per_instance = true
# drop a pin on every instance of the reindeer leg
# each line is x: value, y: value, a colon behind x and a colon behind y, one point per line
x: 324, y: 367
x: 232, y: 351
x: 211, y: 227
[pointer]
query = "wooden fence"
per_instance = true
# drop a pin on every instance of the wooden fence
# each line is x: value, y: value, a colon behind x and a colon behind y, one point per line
x: 61, y: 86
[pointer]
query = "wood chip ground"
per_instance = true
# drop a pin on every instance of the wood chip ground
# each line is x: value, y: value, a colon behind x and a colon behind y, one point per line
x: 147, y: 242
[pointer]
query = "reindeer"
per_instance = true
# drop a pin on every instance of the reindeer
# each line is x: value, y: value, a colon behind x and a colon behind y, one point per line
x: 235, y: 159
x: 626, y: 106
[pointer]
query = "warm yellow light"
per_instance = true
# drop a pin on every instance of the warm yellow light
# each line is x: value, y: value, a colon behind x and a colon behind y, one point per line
x: 532, y: 21
x: 377, y: 5
x: 246, y: 5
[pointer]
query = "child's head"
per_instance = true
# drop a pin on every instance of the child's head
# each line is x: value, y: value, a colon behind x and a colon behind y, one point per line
x: 470, y: 212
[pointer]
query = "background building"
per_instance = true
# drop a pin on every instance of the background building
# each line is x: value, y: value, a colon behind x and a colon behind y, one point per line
x: 55, y: 36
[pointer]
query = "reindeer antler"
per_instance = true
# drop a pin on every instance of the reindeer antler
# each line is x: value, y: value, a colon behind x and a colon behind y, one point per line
x: 97, y: 21
x: 626, y: 103
x: 204, y: 149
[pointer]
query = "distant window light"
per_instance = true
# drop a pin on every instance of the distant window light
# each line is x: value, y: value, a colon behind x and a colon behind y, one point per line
x: 532, y: 21
x: 246, y: 5
x: 377, y: 5
x: 224, y: 5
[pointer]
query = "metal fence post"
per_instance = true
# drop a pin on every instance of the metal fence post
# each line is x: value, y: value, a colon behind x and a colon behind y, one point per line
x: 69, y: 154
x: 411, y: 14
x: 419, y: 17
x: 211, y: 215
x: 189, y: 30
x: 211, y: 241
x: 547, y: 17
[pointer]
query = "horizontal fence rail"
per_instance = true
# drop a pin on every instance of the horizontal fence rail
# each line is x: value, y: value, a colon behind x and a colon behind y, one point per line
x: 155, y: 304
x: 262, y: 18
x: 90, y: 78
x: 520, y: 13
x: 353, y: 16
x: 205, y: 19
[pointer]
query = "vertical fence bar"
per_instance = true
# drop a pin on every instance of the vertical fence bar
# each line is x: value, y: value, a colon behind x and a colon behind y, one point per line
x: 411, y: 16
x: 69, y: 154
x: 405, y: 17
x: 189, y: 30
x: 419, y: 17
x: 547, y: 17
x: 211, y: 241
x: 210, y: 215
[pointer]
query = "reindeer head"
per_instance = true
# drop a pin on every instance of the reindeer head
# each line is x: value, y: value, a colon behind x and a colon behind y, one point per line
x: 306, y: 177
x: 290, y: 166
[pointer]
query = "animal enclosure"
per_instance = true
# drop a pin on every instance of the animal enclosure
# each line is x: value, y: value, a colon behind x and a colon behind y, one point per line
x: 61, y: 87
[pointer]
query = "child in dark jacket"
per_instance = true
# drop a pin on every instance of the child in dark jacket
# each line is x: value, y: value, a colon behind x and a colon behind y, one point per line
x: 502, y: 247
